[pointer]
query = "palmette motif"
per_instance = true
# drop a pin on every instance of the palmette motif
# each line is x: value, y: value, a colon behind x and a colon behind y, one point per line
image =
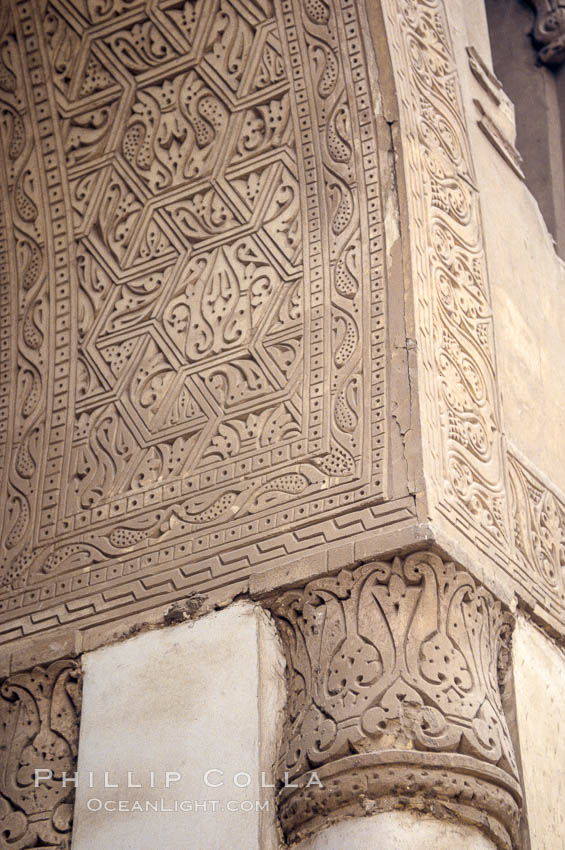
x: 393, y: 694
x: 399, y: 654
x: 39, y: 720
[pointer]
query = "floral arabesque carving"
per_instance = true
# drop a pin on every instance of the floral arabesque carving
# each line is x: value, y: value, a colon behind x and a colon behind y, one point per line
x: 463, y: 447
x: 539, y: 534
x: 204, y: 370
x: 39, y: 722
x: 394, y: 657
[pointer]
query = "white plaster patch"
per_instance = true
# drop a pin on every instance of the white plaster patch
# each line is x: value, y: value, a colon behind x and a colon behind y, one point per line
x: 184, y: 700
x: 539, y: 679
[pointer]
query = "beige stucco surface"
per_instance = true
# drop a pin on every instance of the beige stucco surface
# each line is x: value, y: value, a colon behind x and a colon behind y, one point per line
x: 526, y: 276
x: 528, y: 290
x: 539, y: 673
x: 183, y: 700
x: 397, y: 831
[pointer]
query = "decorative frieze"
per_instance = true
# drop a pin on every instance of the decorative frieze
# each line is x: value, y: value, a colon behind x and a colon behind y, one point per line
x: 394, y: 697
x: 464, y: 455
x: 538, y: 516
x: 463, y: 451
x: 39, y: 723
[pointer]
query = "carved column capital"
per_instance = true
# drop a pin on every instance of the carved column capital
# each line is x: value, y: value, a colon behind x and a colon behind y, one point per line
x: 549, y: 30
x: 39, y: 721
x: 394, y: 697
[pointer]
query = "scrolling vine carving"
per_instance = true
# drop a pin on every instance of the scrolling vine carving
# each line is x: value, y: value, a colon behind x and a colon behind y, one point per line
x: 539, y: 535
x: 464, y: 457
x: 198, y: 360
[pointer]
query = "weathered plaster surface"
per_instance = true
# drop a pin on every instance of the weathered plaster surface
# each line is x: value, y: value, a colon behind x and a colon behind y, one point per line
x: 527, y: 277
x: 183, y: 699
x: 397, y: 831
x: 539, y: 675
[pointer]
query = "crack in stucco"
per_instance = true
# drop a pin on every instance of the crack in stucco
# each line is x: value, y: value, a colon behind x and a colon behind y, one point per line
x: 401, y: 412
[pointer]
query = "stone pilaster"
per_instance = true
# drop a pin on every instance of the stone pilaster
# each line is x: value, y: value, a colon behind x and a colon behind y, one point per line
x: 394, y: 698
x: 39, y: 721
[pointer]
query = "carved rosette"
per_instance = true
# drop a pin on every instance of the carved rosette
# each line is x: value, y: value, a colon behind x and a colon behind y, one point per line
x: 394, y: 698
x: 549, y: 30
x: 39, y: 722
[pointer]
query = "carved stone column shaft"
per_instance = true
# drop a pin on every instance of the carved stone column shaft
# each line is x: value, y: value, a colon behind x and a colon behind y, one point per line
x: 394, y: 698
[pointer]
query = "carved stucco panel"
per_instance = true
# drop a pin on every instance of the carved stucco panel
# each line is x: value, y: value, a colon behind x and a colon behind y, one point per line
x: 538, y: 517
x: 193, y: 295
x: 39, y: 722
x: 461, y: 420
